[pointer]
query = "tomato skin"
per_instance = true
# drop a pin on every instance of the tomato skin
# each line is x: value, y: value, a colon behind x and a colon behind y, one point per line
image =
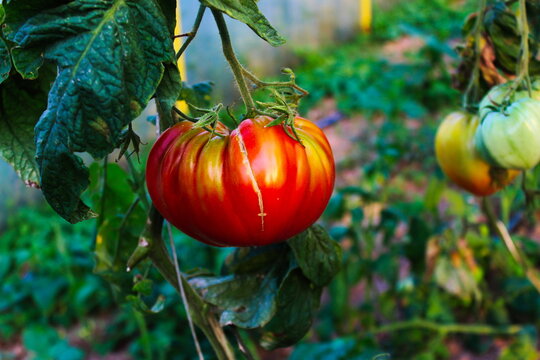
x: 458, y: 158
x: 254, y: 186
x: 496, y: 95
x: 511, y: 139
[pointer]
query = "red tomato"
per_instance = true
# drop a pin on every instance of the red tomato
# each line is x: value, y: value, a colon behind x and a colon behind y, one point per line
x: 253, y: 186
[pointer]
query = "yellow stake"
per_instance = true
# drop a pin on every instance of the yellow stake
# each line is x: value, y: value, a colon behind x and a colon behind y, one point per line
x: 181, y: 63
x: 365, y: 16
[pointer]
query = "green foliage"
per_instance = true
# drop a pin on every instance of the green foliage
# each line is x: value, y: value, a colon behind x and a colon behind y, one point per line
x: 248, y: 12
x: 98, y: 90
x: 17, y: 122
x: 273, y: 290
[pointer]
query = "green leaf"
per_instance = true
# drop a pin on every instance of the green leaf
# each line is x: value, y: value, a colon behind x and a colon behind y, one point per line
x: 27, y: 62
x: 248, y: 12
x: 5, y: 61
x: 247, y: 301
x: 109, y: 56
x: 21, y: 104
x: 167, y: 93
x: 168, y: 8
x: 298, y: 301
x: 45, y: 343
x: 144, y: 287
x: 197, y: 95
x: 253, y: 259
x: 317, y: 254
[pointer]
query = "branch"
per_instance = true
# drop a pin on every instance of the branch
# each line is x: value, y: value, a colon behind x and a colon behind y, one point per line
x: 152, y: 245
x: 503, y: 233
x: 235, y: 65
x: 478, y: 329
x: 191, y: 35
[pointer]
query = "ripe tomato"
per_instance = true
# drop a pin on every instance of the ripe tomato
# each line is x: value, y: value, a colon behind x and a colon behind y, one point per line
x: 511, y: 138
x: 457, y: 156
x: 252, y: 186
x: 497, y: 95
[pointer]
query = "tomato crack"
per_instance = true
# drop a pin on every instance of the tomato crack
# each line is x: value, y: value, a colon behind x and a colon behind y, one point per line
x: 246, y: 162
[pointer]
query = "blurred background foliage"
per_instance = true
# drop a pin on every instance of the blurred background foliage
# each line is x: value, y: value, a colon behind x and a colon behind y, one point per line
x: 423, y: 277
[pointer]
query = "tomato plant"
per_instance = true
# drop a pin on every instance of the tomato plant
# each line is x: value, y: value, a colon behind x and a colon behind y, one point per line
x: 501, y: 93
x: 252, y: 186
x: 458, y: 158
x: 509, y: 138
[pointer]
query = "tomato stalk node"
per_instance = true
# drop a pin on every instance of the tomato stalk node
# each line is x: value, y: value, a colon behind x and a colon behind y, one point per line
x: 191, y: 35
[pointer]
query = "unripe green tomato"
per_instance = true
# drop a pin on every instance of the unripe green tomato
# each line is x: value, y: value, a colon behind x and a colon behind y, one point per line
x: 457, y: 157
x: 511, y: 138
x: 497, y: 94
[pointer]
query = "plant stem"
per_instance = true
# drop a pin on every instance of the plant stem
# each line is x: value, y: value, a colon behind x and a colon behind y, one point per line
x: 200, y: 311
x: 235, y: 65
x: 478, y: 329
x: 241, y: 345
x: 262, y: 84
x: 523, y: 64
x: 183, y: 293
x: 503, y: 233
x: 473, y: 86
x: 522, y: 67
x: 191, y: 35
x: 138, y: 180
x: 145, y: 338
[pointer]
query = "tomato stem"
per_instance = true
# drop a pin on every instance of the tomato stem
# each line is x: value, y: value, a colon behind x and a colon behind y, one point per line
x: 151, y: 242
x: 191, y: 35
x: 518, y: 255
x: 479, y: 329
x: 235, y: 65
x: 523, y: 64
x: 472, y: 91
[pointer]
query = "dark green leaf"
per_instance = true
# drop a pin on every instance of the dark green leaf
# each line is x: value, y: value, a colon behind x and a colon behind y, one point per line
x: 5, y: 61
x: 248, y: 301
x: 109, y: 56
x: 143, y: 287
x: 415, y: 249
x: 45, y: 343
x: 248, y: 12
x: 22, y: 102
x: 317, y: 254
x: 168, y: 7
x: 253, y: 259
x: 298, y: 301
x: 197, y: 95
x: 167, y: 93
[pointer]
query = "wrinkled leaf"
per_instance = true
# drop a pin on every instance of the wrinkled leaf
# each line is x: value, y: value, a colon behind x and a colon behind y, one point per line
x: 298, y: 301
x: 109, y: 56
x: 251, y: 259
x: 317, y: 254
x: 167, y: 93
x: 247, y: 299
x: 197, y: 95
x: 5, y: 61
x: 21, y: 104
x: 248, y: 12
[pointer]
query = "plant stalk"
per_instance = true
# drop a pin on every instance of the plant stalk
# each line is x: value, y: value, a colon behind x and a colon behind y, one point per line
x: 517, y: 254
x: 200, y: 311
x: 191, y: 35
x: 478, y: 329
x: 235, y: 65
x: 473, y: 86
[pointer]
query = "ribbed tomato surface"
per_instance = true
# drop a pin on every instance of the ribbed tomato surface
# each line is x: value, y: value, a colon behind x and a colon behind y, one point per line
x: 253, y: 186
x: 458, y: 158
